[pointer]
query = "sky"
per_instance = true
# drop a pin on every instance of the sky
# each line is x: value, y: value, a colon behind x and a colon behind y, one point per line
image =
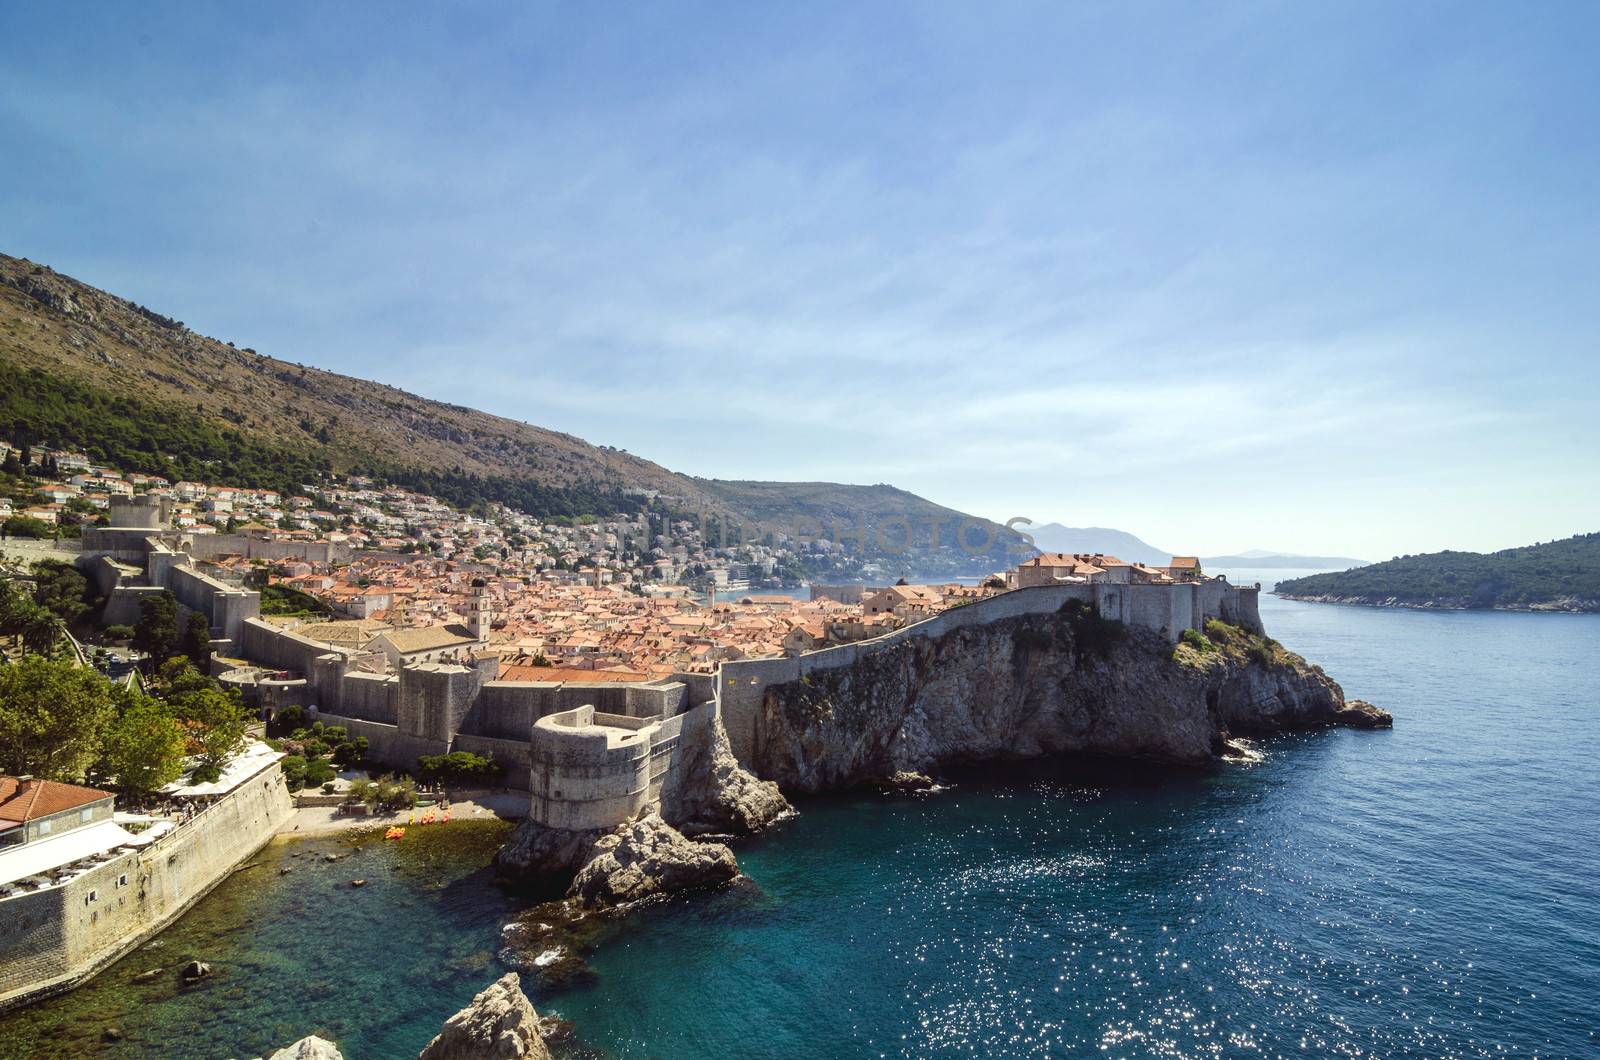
x: 1305, y: 277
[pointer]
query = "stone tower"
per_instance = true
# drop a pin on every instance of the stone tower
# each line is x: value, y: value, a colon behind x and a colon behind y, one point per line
x: 479, y: 617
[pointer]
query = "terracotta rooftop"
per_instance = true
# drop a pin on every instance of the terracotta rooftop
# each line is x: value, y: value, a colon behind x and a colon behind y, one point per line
x: 25, y: 800
x: 428, y: 638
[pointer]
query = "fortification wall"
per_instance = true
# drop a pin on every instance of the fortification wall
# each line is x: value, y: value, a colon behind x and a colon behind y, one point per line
x: 586, y: 778
x: 264, y: 643
x: 386, y: 744
x: 125, y: 604
x: 1246, y: 609
x: 206, y: 546
x: 224, y: 606
x: 53, y: 939
x: 369, y: 696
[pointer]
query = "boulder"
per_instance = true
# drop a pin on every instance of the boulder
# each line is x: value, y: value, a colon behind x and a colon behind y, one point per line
x: 905, y: 782
x: 309, y: 1048
x: 498, y: 1024
x: 645, y: 857
x: 536, y: 853
x: 196, y: 970
x: 1359, y: 714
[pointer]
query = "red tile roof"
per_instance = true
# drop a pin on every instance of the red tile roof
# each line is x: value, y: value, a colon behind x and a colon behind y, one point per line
x: 27, y: 800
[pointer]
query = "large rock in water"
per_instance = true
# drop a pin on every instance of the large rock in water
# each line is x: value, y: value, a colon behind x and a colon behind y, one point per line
x: 645, y: 857
x: 309, y: 1048
x: 1037, y: 685
x: 537, y: 854
x: 500, y: 1023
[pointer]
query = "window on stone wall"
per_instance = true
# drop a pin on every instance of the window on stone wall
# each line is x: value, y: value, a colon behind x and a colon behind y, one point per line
x: 92, y: 896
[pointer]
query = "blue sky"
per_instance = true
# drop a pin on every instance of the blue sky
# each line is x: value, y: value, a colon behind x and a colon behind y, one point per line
x: 1304, y: 277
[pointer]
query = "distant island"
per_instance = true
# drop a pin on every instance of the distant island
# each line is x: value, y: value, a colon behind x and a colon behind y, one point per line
x: 1555, y: 576
x: 1054, y: 537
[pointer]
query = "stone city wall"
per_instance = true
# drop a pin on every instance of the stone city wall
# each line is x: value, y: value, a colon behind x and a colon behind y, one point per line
x: 207, y: 546
x: 50, y: 940
x: 583, y: 777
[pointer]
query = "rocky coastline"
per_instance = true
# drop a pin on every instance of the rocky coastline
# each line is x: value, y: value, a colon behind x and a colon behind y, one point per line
x: 1039, y: 685
x: 498, y: 1024
x: 1020, y: 688
x: 1566, y: 605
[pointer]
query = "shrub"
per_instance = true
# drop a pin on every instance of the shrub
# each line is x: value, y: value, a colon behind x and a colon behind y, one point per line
x: 119, y: 632
x: 395, y: 793
x: 318, y: 772
x: 361, y: 790
x: 289, y: 719
x: 294, y: 771
x: 327, y: 789
x: 457, y: 767
x: 349, y: 754
x: 1093, y: 633
x: 1198, y: 641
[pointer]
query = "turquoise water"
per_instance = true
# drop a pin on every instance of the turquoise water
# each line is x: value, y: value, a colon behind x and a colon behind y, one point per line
x: 1433, y: 891
x: 1430, y: 892
x: 375, y: 968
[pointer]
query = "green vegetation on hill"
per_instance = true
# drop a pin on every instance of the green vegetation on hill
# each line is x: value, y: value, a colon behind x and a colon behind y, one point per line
x: 1558, y: 576
x: 85, y: 369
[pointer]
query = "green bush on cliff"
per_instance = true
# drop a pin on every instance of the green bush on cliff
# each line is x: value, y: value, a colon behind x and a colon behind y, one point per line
x: 1198, y: 641
x: 1092, y: 633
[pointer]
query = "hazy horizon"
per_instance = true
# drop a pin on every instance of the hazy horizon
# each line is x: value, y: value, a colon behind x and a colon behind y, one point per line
x: 1307, y: 280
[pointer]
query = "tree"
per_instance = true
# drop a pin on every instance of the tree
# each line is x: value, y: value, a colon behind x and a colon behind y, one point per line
x: 197, y: 641
x: 217, y: 722
x: 144, y: 745
x: 156, y: 633
x: 349, y: 754
x: 32, y: 626
x: 61, y: 589
x: 53, y: 716
x: 27, y: 526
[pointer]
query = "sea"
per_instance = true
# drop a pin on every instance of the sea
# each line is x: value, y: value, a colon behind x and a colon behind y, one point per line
x: 1431, y: 891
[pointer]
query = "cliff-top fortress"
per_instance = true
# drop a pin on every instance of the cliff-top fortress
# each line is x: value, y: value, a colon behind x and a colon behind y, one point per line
x: 590, y: 754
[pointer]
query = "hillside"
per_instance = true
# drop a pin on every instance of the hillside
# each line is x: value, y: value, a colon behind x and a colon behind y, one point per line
x: 1557, y: 576
x: 1053, y: 537
x: 85, y: 369
x: 1260, y: 560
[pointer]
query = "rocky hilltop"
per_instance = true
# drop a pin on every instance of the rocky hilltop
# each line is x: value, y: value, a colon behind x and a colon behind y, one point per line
x: 1039, y: 685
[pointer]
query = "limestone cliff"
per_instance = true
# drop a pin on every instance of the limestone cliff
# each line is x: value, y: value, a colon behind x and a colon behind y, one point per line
x: 1033, y: 685
x: 712, y: 793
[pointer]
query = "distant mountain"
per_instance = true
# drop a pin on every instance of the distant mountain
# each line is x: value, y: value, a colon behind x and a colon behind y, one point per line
x: 85, y: 369
x: 1263, y: 560
x: 1556, y: 576
x: 1053, y: 537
